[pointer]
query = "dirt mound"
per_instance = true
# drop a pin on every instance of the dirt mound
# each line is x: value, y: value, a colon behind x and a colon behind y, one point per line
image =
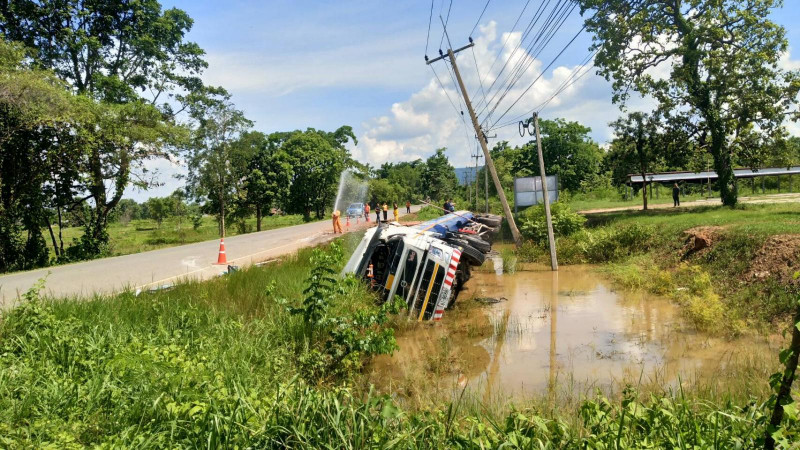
x: 699, y: 238
x: 778, y: 258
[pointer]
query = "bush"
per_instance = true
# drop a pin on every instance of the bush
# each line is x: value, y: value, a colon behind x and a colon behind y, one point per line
x: 533, y: 223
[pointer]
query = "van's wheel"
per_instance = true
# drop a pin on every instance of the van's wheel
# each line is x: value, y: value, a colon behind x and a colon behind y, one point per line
x: 475, y: 241
x: 472, y: 256
x: 489, y: 221
x: 462, y: 276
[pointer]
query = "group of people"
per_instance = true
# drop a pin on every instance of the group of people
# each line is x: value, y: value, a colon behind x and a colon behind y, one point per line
x: 385, y: 209
x: 379, y: 208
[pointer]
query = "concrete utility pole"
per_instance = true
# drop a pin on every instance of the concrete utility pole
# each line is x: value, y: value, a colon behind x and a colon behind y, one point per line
x: 482, y: 139
x: 546, y: 197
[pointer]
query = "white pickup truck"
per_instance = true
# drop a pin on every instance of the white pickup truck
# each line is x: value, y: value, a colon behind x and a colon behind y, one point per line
x: 425, y: 265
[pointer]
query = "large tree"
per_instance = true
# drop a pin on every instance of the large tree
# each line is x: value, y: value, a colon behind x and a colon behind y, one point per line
x: 216, y: 165
x: 268, y: 174
x: 568, y: 152
x: 439, y: 178
x: 317, y: 159
x: 127, y: 53
x: 723, y: 62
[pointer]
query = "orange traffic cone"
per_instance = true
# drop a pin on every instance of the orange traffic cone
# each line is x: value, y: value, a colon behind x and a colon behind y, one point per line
x: 222, y: 259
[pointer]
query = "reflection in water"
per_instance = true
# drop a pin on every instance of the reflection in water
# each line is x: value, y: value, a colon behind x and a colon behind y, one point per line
x: 560, y: 330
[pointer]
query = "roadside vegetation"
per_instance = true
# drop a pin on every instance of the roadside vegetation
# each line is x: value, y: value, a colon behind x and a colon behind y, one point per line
x: 730, y: 268
x: 272, y: 357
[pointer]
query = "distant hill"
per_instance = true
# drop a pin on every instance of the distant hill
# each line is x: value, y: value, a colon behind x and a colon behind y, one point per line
x: 466, y: 174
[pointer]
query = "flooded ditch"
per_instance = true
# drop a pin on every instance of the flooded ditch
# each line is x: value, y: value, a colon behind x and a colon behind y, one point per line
x: 532, y: 333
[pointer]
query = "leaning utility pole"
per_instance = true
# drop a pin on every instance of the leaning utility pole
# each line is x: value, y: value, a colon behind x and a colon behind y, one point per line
x: 545, y: 196
x: 482, y: 139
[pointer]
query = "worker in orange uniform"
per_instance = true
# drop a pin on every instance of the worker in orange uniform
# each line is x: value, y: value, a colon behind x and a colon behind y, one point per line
x: 396, y: 212
x: 366, y: 211
x: 337, y: 225
x: 385, y: 212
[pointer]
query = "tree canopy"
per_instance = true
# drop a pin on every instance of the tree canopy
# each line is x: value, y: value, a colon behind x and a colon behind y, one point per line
x: 723, y: 62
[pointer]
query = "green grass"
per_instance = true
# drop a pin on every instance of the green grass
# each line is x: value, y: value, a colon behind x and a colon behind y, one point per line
x: 612, y: 199
x: 144, y: 235
x: 226, y: 363
x: 646, y: 249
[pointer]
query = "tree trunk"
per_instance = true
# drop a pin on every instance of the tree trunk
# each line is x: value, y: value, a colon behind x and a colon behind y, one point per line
x: 222, y: 217
x: 785, y: 390
x: 53, y: 238
x: 724, y: 167
x: 60, y: 227
x: 258, y: 217
x: 642, y: 162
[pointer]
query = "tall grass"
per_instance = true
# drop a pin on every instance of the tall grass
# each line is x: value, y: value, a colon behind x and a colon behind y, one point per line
x: 225, y: 363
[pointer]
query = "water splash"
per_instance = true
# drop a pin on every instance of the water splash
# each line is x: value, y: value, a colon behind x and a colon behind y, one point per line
x: 352, y: 189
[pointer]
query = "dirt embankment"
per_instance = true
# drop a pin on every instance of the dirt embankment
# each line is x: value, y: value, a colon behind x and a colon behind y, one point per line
x: 699, y: 238
x: 778, y: 258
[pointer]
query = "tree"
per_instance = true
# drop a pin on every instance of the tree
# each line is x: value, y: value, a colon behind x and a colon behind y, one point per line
x: 723, y: 59
x: 216, y: 166
x: 177, y: 205
x: 132, y: 58
x: 439, y: 179
x: 158, y: 208
x: 637, y: 144
x: 268, y: 173
x: 317, y: 159
x: 34, y: 108
x: 568, y: 152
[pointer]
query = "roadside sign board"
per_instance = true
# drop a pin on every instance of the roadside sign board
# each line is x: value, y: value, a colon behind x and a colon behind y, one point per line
x: 528, y: 191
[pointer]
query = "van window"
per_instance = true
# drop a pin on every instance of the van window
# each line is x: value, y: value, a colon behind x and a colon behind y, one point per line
x: 396, y: 258
x: 429, y: 290
x: 407, y: 274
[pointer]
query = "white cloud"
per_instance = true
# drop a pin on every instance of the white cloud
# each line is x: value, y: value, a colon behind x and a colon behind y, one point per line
x: 427, y: 119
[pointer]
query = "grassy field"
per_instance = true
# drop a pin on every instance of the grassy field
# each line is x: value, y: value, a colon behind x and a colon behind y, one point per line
x: 271, y: 357
x: 738, y: 282
x: 143, y: 235
x: 613, y: 199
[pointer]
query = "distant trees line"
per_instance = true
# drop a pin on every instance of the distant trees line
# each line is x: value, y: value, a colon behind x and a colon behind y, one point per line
x: 83, y: 114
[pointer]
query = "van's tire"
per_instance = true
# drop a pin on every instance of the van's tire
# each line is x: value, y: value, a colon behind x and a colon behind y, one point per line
x: 475, y: 241
x: 489, y: 221
x: 472, y: 256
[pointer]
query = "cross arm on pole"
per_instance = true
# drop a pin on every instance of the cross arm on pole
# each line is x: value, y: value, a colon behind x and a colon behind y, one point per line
x: 444, y: 55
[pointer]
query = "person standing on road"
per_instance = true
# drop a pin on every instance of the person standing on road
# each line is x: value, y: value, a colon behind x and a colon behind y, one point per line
x: 378, y: 213
x: 385, y: 212
x: 366, y: 212
x: 337, y: 225
x: 396, y: 212
x: 676, y: 195
x: 408, y: 206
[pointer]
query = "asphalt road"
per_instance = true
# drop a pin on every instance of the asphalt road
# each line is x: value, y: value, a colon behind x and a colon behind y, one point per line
x: 168, y: 265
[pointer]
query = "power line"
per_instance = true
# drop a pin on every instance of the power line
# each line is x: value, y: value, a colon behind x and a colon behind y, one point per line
x: 478, y: 71
x: 540, y: 75
x: 428, y: 38
x: 480, y: 17
x: 446, y: 21
x: 505, y: 41
x: 548, y: 28
x: 552, y: 24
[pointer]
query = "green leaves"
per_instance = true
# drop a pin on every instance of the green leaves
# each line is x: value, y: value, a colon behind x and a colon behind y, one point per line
x: 711, y: 65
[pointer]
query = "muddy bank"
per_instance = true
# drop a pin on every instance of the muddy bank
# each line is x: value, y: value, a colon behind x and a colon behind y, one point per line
x: 536, y: 332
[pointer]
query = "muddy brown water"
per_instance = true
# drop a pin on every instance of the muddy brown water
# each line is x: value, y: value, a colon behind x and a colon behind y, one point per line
x: 565, y: 330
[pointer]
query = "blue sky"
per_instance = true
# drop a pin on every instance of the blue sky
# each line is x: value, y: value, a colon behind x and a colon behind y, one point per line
x: 298, y: 64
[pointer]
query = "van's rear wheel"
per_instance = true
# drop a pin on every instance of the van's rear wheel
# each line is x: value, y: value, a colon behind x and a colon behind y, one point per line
x: 472, y: 256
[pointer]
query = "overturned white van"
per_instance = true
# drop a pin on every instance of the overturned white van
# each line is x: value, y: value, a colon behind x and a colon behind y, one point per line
x: 424, y: 265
